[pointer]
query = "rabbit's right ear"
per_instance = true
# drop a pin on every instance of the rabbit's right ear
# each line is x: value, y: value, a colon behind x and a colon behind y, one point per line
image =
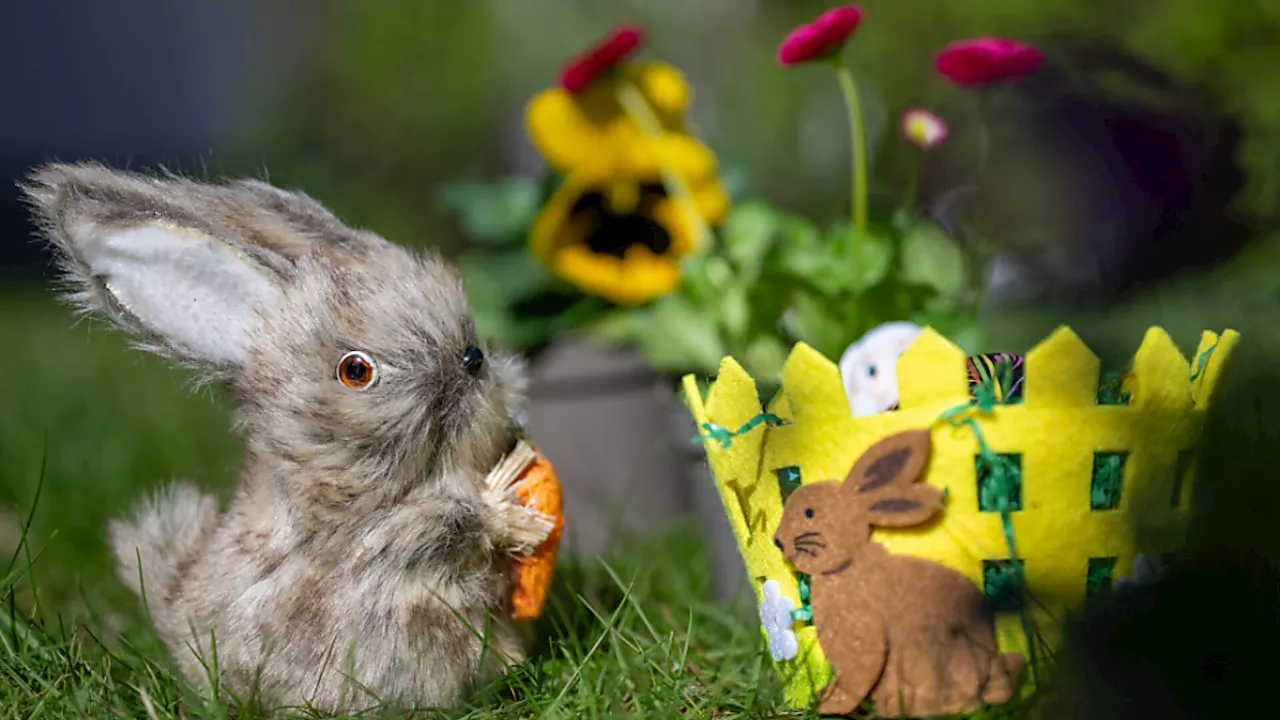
x: 133, y: 249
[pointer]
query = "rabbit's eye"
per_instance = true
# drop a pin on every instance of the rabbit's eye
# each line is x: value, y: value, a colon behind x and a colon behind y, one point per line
x: 473, y: 360
x: 808, y: 512
x: 356, y: 370
x: 871, y: 370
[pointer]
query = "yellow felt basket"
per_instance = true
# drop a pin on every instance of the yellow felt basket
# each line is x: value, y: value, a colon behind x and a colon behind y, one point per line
x: 1058, y: 431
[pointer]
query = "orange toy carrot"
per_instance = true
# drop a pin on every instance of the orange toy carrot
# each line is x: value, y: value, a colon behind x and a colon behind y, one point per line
x: 526, y: 473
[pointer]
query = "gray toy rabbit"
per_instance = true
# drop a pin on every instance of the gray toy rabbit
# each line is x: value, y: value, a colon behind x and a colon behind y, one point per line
x: 364, y: 557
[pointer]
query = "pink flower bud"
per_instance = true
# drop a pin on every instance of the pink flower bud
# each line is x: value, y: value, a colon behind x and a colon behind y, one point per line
x: 820, y: 38
x: 922, y: 128
x: 984, y: 60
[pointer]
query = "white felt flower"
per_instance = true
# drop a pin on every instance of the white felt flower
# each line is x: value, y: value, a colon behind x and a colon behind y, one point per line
x: 775, y: 616
x: 1146, y: 569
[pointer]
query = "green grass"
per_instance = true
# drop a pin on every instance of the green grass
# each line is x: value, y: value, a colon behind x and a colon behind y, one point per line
x: 88, y: 426
x: 625, y: 638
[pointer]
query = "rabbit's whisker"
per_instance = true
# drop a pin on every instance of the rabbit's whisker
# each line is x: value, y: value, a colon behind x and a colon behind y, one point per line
x: 810, y: 543
x: 811, y: 533
x: 806, y: 551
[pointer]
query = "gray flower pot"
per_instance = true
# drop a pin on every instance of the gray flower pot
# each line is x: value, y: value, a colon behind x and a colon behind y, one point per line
x: 622, y: 444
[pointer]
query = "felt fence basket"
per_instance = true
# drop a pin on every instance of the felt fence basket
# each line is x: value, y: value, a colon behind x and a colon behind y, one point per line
x: 1072, y: 537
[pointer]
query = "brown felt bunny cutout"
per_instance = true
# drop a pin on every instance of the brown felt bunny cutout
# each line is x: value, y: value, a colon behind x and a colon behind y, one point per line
x: 908, y: 632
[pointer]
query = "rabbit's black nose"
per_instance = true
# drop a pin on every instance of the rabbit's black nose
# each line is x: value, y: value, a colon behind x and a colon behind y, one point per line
x: 473, y: 360
x: 778, y: 542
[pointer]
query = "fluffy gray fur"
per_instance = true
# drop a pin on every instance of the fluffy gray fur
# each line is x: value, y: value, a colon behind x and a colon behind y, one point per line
x: 357, y: 562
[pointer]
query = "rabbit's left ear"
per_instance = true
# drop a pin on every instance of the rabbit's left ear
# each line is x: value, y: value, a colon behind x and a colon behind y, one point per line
x: 134, y: 250
x: 897, y: 460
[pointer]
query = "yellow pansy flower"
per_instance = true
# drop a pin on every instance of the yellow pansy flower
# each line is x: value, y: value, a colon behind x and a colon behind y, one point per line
x: 571, y: 130
x: 620, y: 236
x: 612, y: 229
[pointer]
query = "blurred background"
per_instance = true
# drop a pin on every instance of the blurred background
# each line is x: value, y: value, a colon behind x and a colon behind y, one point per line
x: 1140, y: 185
x: 1152, y: 122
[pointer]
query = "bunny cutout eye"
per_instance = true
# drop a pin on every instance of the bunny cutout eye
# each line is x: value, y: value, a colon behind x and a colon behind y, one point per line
x: 357, y: 370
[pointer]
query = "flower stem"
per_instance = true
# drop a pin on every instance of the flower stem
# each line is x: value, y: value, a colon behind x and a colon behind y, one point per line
x: 984, y: 135
x: 858, y: 134
x: 984, y: 152
x: 637, y: 107
x: 980, y: 295
x: 913, y: 181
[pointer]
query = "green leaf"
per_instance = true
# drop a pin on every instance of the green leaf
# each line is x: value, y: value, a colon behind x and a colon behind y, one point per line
x: 695, y: 281
x: 815, y: 266
x: 677, y: 337
x: 764, y: 357
x: 749, y: 232
x: 484, y: 292
x: 902, y: 219
x: 513, y: 274
x: 493, y: 317
x: 497, y: 326
x: 704, y: 276
x: 768, y: 299
x: 524, y: 333
x: 829, y: 266
x: 613, y: 327
x: 798, y: 231
x: 959, y: 326
x: 719, y: 272
x: 735, y: 310
x: 871, y: 267
x: 932, y: 259
x: 493, y: 212
x: 497, y: 283
x: 969, y: 335
x: 734, y: 177
x: 816, y: 321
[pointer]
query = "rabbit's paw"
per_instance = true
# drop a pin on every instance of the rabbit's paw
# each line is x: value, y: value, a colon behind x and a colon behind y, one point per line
x: 515, y: 525
x: 835, y: 700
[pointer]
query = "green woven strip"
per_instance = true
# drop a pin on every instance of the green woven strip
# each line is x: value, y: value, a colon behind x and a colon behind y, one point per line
x: 1109, y: 393
x: 1108, y: 480
x: 804, y: 613
x: 1100, y: 577
x: 1203, y: 360
x: 788, y: 480
x: 1002, y: 585
x: 725, y: 436
x: 1005, y: 478
x: 999, y: 484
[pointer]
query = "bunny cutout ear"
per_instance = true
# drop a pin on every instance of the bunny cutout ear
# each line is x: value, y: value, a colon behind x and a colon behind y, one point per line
x: 884, y: 481
x: 144, y: 252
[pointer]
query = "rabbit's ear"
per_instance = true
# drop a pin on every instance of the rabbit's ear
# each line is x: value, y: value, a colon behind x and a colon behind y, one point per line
x: 904, y: 507
x: 890, y: 465
x: 144, y: 252
x: 884, y: 481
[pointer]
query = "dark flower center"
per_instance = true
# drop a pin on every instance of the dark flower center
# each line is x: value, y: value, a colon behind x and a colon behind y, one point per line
x: 612, y: 234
